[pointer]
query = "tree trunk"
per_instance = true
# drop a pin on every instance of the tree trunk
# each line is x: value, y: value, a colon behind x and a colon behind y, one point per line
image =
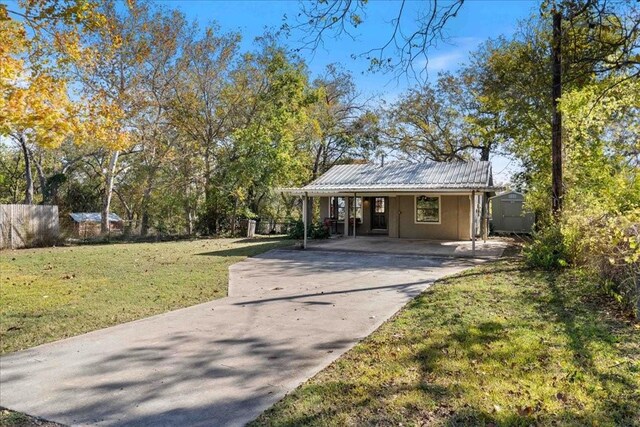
x: 556, y: 124
x: 108, y: 193
x: 146, y: 197
x: 485, y: 153
x: 28, y: 176
x: 42, y: 178
x: 234, y: 217
x: 484, y: 215
x: 189, y: 219
x: 144, y: 224
x: 186, y: 206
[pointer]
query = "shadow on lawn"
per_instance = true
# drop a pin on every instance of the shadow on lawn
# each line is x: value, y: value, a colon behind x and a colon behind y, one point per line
x: 250, y: 250
x: 345, y: 398
x: 587, y: 326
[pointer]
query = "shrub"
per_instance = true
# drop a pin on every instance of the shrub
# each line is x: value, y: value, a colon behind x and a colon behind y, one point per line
x: 547, y: 249
x: 607, y: 245
x: 319, y: 231
x: 315, y: 230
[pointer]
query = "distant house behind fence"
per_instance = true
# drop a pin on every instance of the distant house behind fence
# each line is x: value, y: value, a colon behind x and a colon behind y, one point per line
x: 28, y: 225
x: 87, y: 224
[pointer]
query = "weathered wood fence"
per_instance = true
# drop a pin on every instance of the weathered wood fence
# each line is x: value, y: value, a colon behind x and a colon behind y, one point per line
x: 28, y: 225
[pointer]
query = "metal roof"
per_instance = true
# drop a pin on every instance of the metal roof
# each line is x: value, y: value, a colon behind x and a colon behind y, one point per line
x: 507, y: 193
x: 92, y: 217
x: 400, y: 176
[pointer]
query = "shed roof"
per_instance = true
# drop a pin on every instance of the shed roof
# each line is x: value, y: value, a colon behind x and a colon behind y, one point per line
x: 401, y: 176
x: 508, y: 194
x: 92, y: 217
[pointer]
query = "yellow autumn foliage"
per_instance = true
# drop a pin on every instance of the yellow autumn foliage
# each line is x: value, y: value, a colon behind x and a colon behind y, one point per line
x: 99, y: 122
x: 37, y: 105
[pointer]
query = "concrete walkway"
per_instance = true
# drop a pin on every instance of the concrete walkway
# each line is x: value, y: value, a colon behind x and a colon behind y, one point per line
x: 289, y: 314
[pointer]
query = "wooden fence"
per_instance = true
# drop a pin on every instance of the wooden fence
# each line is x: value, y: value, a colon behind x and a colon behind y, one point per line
x: 28, y: 225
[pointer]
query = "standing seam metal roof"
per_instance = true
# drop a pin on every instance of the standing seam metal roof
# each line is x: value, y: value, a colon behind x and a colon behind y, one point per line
x: 92, y: 217
x: 432, y: 175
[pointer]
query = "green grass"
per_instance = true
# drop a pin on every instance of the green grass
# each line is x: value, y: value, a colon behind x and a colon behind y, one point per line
x: 53, y: 293
x: 10, y: 418
x: 496, y: 345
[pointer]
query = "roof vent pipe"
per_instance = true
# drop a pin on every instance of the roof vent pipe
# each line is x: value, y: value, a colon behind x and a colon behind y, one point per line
x: 382, y: 160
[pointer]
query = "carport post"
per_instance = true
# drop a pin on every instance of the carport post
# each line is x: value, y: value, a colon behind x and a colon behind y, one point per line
x: 354, y: 216
x: 304, y: 220
x: 473, y: 222
x: 346, y: 216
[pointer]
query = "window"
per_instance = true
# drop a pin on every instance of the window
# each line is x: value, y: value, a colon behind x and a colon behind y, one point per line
x: 337, y: 208
x: 428, y: 209
x: 358, y: 207
x: 379, y: 205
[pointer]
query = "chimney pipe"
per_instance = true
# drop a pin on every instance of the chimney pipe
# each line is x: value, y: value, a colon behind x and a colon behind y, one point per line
x: 382, y: 160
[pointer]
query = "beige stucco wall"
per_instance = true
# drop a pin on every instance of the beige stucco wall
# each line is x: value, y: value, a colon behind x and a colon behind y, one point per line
x: 393, y: 217
x: 454, y: 219
x: 324, y: 208
x: 454, y: 224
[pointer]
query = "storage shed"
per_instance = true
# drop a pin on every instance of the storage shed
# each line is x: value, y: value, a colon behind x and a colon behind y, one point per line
x: 508, y: 215
x: 87, y: 224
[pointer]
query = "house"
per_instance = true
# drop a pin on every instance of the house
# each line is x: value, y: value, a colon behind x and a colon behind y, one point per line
x: 508, y: 214
x: 87, y: 224
x: 432, y: 200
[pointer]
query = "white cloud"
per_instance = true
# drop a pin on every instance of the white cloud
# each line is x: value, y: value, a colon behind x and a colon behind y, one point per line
x: 450, y: 56
x: 445, y: 62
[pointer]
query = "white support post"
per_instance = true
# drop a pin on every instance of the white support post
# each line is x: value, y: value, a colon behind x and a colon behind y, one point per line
x: 304, y: 220
x: 473, y: 222
x: 485, y: 220
x: 346, y: 216
x: 355, y: 221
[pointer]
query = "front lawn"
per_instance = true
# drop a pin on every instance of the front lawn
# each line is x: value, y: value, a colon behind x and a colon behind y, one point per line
x: 53, y: 293
x: 496, y: 345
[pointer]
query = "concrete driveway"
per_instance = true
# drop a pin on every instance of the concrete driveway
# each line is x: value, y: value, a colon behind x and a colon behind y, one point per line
x: 289, y: 314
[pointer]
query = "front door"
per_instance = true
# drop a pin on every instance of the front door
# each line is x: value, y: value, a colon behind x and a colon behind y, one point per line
x: 379, y: 208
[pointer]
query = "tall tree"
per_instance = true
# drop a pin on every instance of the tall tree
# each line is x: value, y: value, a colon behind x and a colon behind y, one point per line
x: 202, y: 105
x: 111, y: 68
x: 339, y: 121
x: 262, y: 152
x: 34, y: 106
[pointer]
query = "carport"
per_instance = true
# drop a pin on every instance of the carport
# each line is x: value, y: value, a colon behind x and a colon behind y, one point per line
x: 410, y: 202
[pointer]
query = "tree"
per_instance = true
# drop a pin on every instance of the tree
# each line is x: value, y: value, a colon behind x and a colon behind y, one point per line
x: 601, y: 37
x: 113, y: 65
x: 409, y: 40
x: 263, y: 151
x: 511, y: 86
x: 424, y: 125
x: 202, y: 105
x: 34, y: 107
x: 339, y: 121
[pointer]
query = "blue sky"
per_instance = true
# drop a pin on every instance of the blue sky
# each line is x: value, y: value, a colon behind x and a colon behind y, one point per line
x: 477, y: 21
